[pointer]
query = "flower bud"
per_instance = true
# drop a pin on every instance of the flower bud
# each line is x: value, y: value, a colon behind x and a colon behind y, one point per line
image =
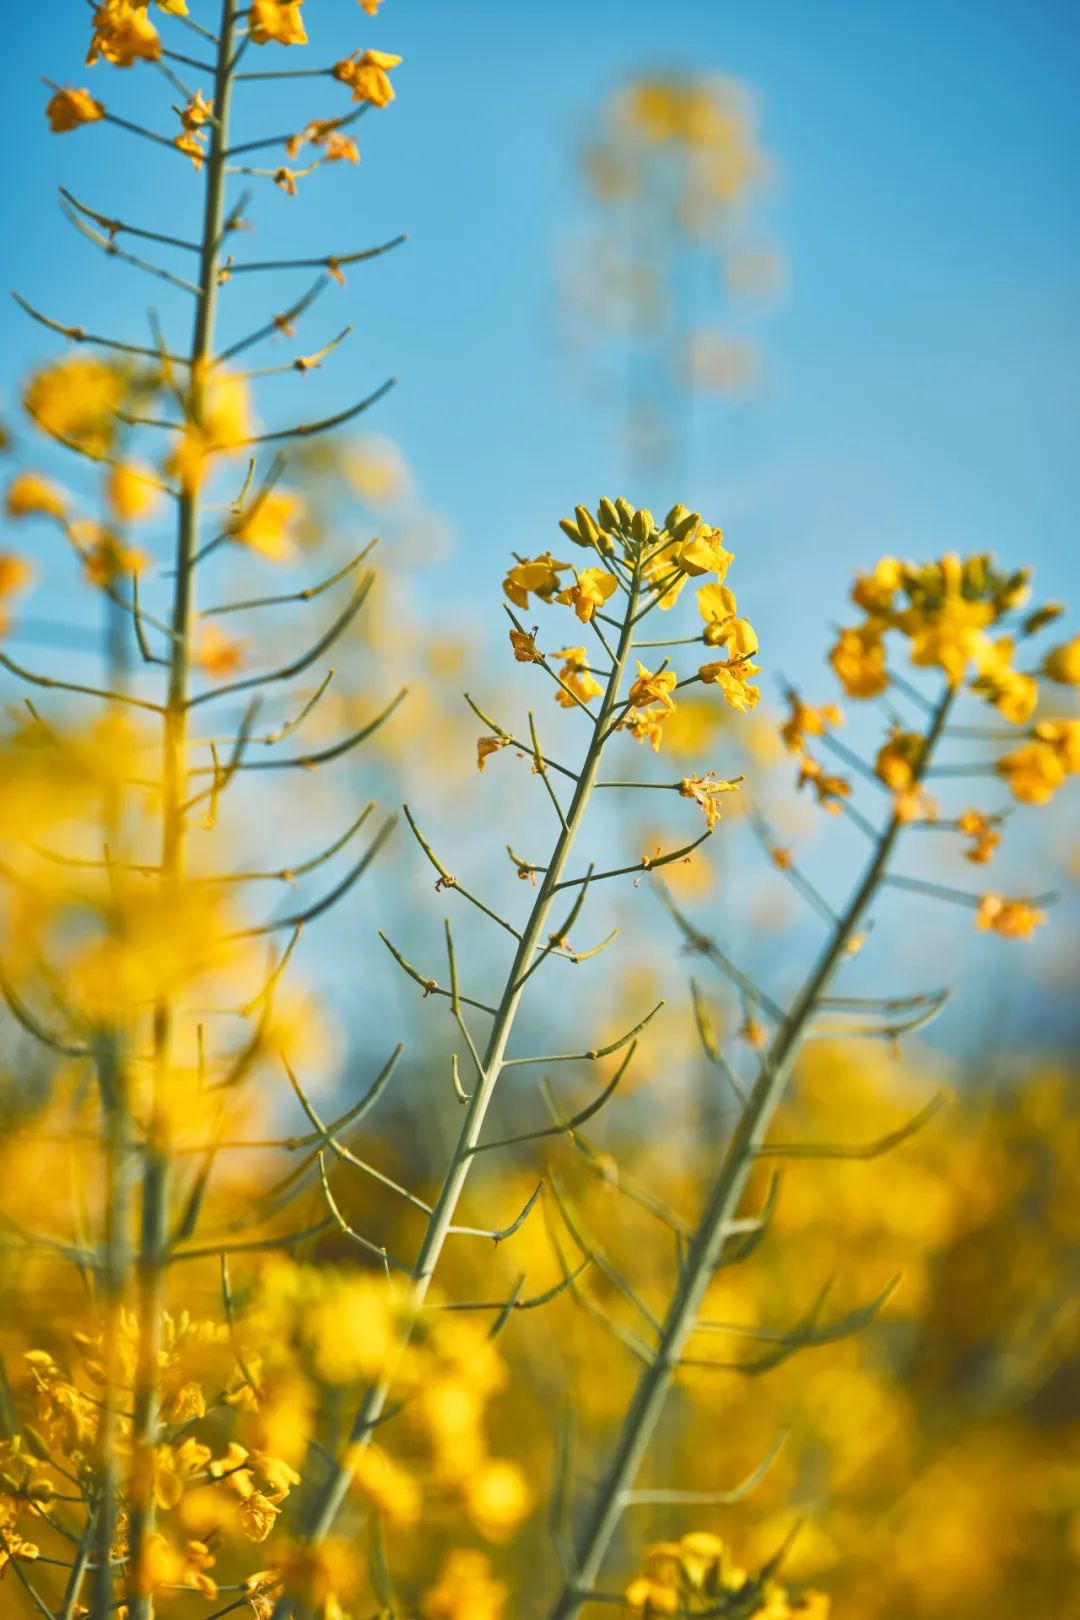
x: 608, y: 516
x: 642, y: 525
x: 685, y: 526
x: 676, y: 515
x: 587, y: 525
x: 572, y: 532
x: 625, y: 511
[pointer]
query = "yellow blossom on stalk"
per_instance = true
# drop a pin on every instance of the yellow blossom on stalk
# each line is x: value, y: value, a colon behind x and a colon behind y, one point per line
x: 973, y: 824
x: 733, y: 676
x: 1062, y: 664
x: 217, y: 654
x: 325, y: 134
x: 497, y: 1498
x: 30, y: 493
x: 131, y: 491
x: 15, y: 574
x: 268, y: 524
x: 1033, y: 772
x: 191, y: 144
x: 591, y: 591
x: 524, y: 646
x: 370, y: 6
x: 704, y: 553
x: 465, y: 1589
x: 367, y: 76
x: 123, y: 34
x: 538, y: 576
x: 805, y: 721
x: 576, y: 674
x: 1013, y: 694
x: 707, y: 791
x: 949, y: 636
x: 716, y: 604
x: 737, y: 635
x: 829, y: 789
x: 285, y: 180
x: 485, y: 746
x: 70, y: 109
x: 278, y: 21
x: 1013, y: 919
x: 75, y: 400
x: 649, y: 689
x: 646, y: 725
x: 199, y: 111
x: 858, y: 659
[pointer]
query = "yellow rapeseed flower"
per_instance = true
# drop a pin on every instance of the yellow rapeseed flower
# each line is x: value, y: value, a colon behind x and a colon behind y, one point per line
x: 70, y: 109
x: 591, y: 591
x: 576, y: 674
x: 986, y: 838
x: 131, y: 491
x: 497, y: 1497
x: 123, y: 34
x: 367, y: 76
x: 75, y: 400
x: 268, y: 524
x: 649, y: 689
x: 537, y: 576
x: 733, y: 676
x: 707, y: 791
x: 31, y: 493
x: 465, y: 1589
x: 1062, y: 664
x: 278, y: 21
x: 1033, y: 772
x: 1012, y: 919
x: 858, y: 660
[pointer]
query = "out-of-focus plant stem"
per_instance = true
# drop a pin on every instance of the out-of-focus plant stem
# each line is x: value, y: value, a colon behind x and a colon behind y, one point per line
x: 330, y: 1500
x: 154, y: 1235
x: 720, y: 1212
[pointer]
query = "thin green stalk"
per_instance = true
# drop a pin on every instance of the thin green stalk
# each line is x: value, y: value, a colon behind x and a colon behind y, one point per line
x: 156, y: 1182
x: 720, y: 1211
x: 329, y: 1501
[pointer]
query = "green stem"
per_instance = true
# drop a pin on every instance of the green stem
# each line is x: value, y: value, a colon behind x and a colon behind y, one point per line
x: 720, y: 1211
x: 330, y: 1500
x: 156, y: 1181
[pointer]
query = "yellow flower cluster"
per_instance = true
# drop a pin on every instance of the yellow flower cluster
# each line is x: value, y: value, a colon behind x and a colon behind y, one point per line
x: 696, y: 1575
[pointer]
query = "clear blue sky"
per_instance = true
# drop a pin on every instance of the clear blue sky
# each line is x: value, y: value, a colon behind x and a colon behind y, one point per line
x: 921, y: 372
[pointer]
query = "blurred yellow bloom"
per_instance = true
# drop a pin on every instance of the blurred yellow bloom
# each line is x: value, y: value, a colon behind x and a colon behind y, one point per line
x: 105, y: 557
x: 646, y: 725
x: 1062, y: 664
x: 268, y: 524
x: 465, y: 1589
x: 390, y: 1490
x: 1063, y: 737
x: 69, y: 109
x: 898, y: 759
x: 191, y: 144
x: 199, y: 111
x: 131, y: 491
x: 858, y: 659
x: 75, y: 400
x: 591, y: 591
x: 829, y: 789
x: 538, y: 576
x: 576, y: 674
x: 31, y: 493
x: 974, y: 825
x: 278, y: 21
x: 497, y: 1497
x: 875, y: 592
x: 804, y: 721
x: 1033, y: 772
x: 123, y: 34
x: 219, y: 425
x: 1013, y: 919
x: 15, y: 574
x: 217, y: 653
x: 367, y: 76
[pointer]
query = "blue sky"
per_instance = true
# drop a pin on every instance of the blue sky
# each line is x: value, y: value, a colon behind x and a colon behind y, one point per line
x: 920, y: 374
